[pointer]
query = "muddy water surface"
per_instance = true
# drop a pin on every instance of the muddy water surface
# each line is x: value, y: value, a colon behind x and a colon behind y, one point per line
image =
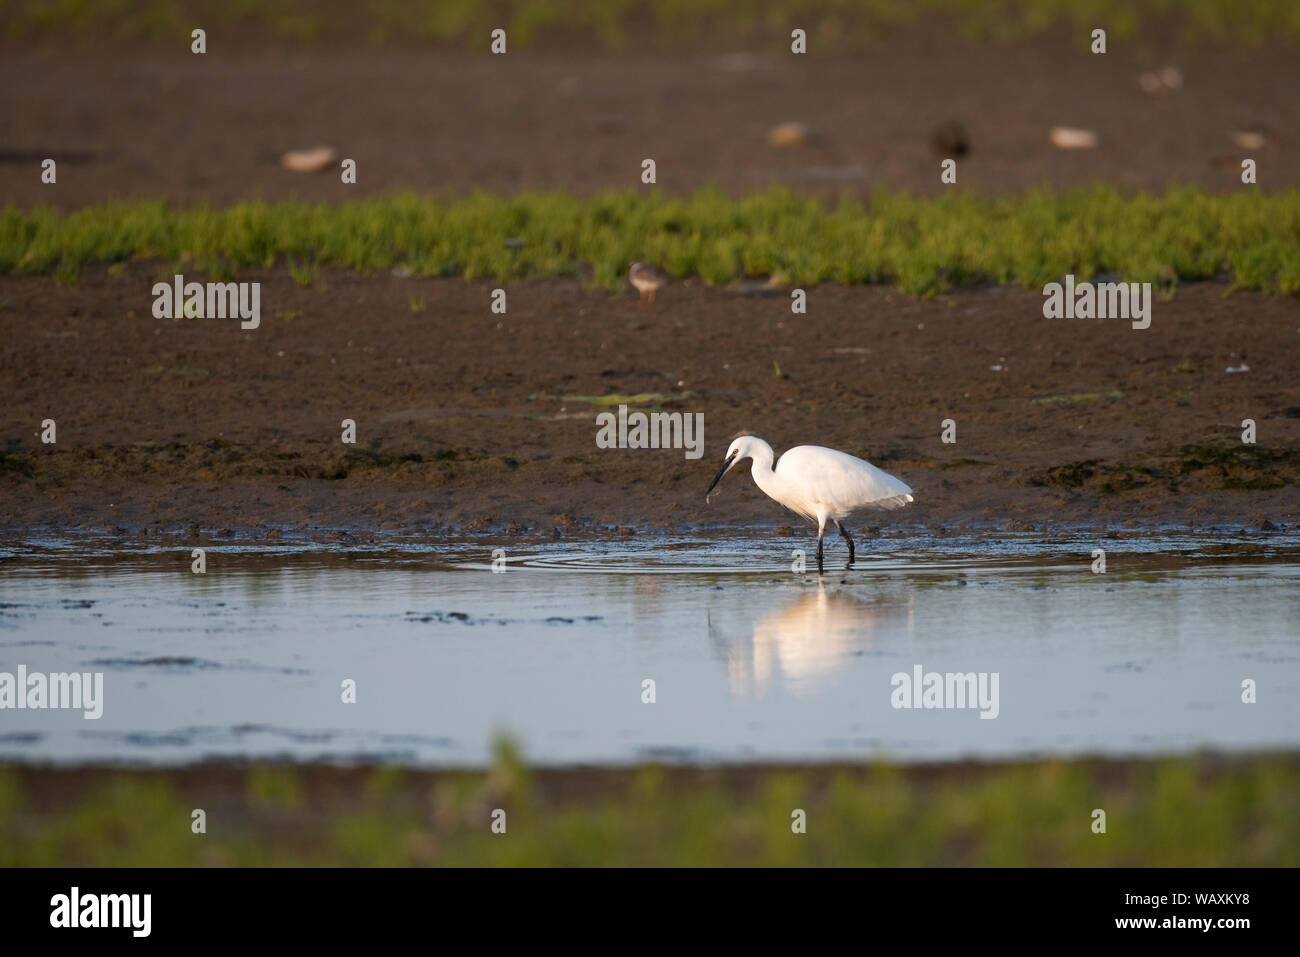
x: 749, y: 660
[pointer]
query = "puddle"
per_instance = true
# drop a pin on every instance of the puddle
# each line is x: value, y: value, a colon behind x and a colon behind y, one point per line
x: 750, y: 662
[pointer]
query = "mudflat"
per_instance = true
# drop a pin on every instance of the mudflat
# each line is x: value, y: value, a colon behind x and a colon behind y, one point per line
x: 159, y: 123
x: 468, y: 420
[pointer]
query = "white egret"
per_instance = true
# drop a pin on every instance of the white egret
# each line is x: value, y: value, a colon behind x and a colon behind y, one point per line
x: 818, y: 483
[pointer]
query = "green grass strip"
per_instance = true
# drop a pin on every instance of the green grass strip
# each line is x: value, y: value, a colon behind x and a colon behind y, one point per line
x: 923, y: 246
x: 1161, y: 813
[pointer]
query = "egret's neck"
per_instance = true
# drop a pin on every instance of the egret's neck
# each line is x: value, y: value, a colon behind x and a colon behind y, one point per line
x: 764, y: 475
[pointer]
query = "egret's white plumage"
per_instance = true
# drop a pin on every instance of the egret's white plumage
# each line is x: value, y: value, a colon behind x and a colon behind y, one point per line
x: 818, y: 483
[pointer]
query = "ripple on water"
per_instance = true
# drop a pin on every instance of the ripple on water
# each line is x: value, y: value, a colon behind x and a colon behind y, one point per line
x: 751, y: 661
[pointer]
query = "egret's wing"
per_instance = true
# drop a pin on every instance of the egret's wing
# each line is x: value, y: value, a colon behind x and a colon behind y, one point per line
x: 842, y: 481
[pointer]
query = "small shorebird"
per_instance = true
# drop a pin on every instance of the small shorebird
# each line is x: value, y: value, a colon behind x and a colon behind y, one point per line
x: 646, y: 279
x: 818, y: 483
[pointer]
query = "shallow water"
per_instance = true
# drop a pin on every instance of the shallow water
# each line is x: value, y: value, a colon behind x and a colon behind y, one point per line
x: 750, y: 661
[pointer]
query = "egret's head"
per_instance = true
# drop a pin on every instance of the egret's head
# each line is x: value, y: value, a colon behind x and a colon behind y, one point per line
x: 741, y: 447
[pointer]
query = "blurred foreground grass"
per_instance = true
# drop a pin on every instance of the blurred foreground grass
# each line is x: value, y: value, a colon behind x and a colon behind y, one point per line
x: 1176, y: 812
x: 921, y: 245
x: 832, y: 25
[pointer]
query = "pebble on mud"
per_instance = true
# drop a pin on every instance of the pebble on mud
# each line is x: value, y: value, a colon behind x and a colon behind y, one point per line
x: 1251, y: 138
x: 309, y: 160
x: 788, y: 134
x: 950, y: 139
x: 1072, y: 138
x: 1161, y: 82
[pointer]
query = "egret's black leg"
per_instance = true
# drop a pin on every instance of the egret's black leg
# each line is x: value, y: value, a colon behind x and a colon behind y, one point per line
x: 845, y: 532
x: 820, y: 531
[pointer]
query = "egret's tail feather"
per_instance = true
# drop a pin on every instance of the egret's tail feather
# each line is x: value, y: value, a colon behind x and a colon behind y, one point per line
x: 893, y: 502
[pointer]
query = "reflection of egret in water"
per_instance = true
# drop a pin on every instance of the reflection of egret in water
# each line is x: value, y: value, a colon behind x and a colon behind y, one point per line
x: 647, y: 603
x: 804, y: 642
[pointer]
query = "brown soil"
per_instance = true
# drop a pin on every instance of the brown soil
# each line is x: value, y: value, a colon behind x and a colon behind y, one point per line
x: 146, y: 123
x: 462, y: 419
x: 197, y: 427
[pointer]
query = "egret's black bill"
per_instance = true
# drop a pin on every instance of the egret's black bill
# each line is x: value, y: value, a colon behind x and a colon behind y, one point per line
x: 718, y: 478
